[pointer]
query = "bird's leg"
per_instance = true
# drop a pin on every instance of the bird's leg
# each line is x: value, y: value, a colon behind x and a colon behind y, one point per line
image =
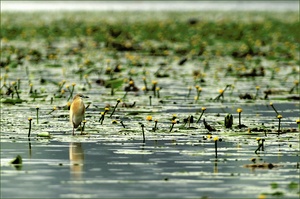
x: 81, y: 129
x: 73, y: 130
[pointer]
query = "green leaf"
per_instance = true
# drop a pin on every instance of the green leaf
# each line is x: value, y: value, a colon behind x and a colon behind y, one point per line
x: 90, y: 70
x: 277, y: 193
x: 115, y: 83
x: 37, y: 96
x: 274, y: 185
x: 44, y: 134
x: 53, y: 65
x: 12, y: 101
x: 13, y: 65
x: 293, y: 185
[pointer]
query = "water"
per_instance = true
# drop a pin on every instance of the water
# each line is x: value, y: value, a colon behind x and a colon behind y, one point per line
x: 104, y: 168
x: 150, y: 5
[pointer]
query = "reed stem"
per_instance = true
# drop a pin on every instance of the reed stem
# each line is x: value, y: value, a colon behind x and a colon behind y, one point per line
x: 118, y: 101
x: 37, y: 115
x: 144, y: 139
x: 29, y: 119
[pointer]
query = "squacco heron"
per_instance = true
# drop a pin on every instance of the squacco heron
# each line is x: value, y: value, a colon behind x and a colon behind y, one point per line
x: 77, y: 111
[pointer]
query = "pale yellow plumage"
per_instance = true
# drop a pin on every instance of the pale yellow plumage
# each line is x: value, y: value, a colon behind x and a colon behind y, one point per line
x: 77, y: 111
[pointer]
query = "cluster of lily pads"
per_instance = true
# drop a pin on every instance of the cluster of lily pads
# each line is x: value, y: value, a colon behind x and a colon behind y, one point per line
x: 123, y: 49
x: 125, y: 54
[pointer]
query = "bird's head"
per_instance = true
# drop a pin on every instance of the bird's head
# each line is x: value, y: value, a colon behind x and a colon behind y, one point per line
x: 79, y: 95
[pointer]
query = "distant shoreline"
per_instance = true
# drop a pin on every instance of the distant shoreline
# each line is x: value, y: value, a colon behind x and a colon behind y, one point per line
x: 28, y: 6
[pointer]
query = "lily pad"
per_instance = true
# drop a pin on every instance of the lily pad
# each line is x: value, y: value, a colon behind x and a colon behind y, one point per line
x: 12, y: 101
x: 115, y: 83
x: 44, y: 134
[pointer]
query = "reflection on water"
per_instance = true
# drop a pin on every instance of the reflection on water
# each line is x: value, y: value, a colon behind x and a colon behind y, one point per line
x: 216, y: 167
x: 76, y: 160
x: 129, y: 169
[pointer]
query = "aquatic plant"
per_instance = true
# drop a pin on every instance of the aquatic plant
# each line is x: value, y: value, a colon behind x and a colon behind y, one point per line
x: 154, y: 85
x: 118, y: 101
x: 149, y: 118
x: 143, y: 132
x: 145, y: 88
x: 272, y: 105
x: 279, y: 123
x: 239, y: 110
x: 221, y: 95
x: 157, y: 91
x: 122, y: 123
x: 71, y: 91
x: 208, y: 126
x: 101, y: 119
x: 17, y: 162
x: 172, y: 125
x: 256, y: 94
x: 189, y: 92
x: 53, y: 109
x: 260, y: 143
x: 296, y: 83
x: 150, y: 100
x: 228, y: 121
x: 216, y: 139
x: 29, y: 131
x: 37, y: 114
x: 155, y: 125
x: 203, y: 109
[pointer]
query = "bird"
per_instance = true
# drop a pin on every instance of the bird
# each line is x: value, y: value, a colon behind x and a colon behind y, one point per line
x: 77, y: 111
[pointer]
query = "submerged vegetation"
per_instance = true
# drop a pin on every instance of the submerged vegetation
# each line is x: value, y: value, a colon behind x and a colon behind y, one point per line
x: 152, y: 75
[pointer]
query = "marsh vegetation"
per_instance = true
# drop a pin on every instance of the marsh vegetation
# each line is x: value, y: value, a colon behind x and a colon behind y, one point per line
x: 181, y: 104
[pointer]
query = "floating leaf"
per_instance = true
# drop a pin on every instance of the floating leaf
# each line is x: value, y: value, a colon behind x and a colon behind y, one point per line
x: 12, y: 101
x: 115, y: 83
x: 274, y: 185
x: 44, y: 134
x: 53, y: 65
x: 90, y: 70
x: 13, y: 65
x: 37, y: 96
x: 293, y: 185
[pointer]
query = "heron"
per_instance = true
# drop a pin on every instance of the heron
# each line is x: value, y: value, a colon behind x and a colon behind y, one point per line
x: 77, y: 111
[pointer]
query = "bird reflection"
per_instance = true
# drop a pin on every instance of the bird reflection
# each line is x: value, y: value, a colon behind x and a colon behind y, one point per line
x: 76, y: 160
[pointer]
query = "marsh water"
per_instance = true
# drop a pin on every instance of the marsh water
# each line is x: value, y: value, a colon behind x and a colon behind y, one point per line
x: 99, y: 167
x: 112, y: 161
x: 180, y: 158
